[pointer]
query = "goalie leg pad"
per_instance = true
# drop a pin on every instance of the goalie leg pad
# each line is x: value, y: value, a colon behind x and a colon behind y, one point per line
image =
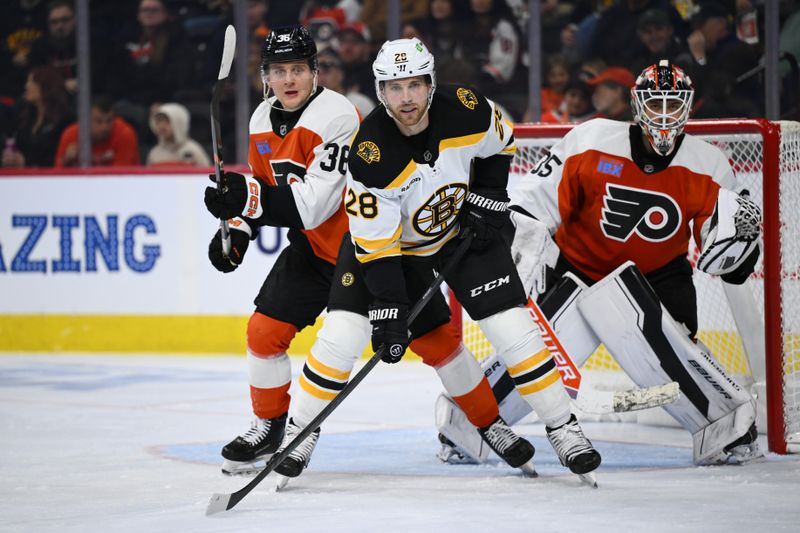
x: 652, y: 348
x: 573, y: 332
x: 518, y: 342
x: 340, y: 342
x: 269, y: 368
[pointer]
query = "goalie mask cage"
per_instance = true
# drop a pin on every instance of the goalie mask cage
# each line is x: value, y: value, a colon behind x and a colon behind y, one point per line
x: 753, y: 331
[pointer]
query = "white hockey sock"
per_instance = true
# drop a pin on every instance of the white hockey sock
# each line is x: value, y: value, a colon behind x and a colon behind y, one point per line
x: 517, y: 340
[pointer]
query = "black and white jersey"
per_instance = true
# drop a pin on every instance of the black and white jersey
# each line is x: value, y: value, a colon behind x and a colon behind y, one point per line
x: 404, y: 193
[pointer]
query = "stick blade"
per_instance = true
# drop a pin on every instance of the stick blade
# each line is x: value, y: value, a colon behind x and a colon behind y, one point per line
x: 598, y: 402
x: 636, y: 399
x: 228, y: 50
x: 219, y: 503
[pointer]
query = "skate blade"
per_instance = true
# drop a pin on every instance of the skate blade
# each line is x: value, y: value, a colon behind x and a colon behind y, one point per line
x: 281, y: 483
x: 589, y: 479
x: 235, y: 469
x: 528, y: 470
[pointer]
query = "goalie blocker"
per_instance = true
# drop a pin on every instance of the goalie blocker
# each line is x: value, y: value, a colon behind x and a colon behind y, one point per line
x: 623, y: 312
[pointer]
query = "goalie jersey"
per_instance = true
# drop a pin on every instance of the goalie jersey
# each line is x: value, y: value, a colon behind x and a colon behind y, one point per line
x: 305, y: 152
x: 404, y: 193
x: 607, y: 201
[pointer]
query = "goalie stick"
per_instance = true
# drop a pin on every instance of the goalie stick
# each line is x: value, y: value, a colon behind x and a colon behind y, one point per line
x: 224, y: 502
x: 228, y: 50
x: 591, y: 400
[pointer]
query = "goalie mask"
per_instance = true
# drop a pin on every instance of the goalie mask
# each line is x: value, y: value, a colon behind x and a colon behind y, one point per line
x: 403, y: 58
x: 661, y: 102
x: 288, y: 44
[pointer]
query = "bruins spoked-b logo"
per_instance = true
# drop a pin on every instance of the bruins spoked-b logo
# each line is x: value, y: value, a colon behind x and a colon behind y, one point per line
x: 653, y: 216
x: 369, y: 152
x: 348, y: 279
x: 467, y: 98
x: 440, y: 211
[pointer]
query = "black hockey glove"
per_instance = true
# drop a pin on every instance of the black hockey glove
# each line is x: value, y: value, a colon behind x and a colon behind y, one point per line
x: 389, y: 329
x: 239, y: 241
x: 484, y: 213
x: 242, y: 196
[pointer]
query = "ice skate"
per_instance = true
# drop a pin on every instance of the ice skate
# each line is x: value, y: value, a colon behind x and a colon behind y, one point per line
x: 246, y: 455
x: 294, y: 464
x: 574, y: 450
x: 511, y: 448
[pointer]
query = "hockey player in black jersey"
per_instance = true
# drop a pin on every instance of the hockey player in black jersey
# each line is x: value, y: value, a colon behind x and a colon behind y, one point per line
x: 425, y: 165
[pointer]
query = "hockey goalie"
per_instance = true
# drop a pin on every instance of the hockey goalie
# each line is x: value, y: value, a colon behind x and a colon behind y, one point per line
x: 600, y: 230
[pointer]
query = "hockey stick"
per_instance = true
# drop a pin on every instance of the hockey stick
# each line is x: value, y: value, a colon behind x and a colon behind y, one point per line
x: 228, y: 50
x: 591, y: 400
x: 224, y: 502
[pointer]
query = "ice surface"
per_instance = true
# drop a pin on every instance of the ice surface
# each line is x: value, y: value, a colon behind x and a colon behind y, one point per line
x: 131, y: 443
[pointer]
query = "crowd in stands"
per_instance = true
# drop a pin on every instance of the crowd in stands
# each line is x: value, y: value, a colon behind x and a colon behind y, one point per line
x: 153, y: 63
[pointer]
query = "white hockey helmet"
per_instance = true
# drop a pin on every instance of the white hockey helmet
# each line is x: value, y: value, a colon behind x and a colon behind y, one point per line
x: 403, y: 58
x: 661, y: 102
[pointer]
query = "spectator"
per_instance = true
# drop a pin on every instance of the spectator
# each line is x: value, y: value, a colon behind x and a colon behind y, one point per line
x: 612, y: 93
x: 374, y: 15
x: 21, y: 25
x: 331, y: 76
x: 494, y: 43
x: 719, y: 58
x: 444, y: 29
x: 323, y: 18
x: 151, y: 63
x: 353, y: 47
x: 576, y: 107
x: 557, y: 77
x: 42, y: 119
x: 657, y: 36
x: 114, y: 141
x: 170, y: 124
x: 57, y: 48
x: 615, y: 39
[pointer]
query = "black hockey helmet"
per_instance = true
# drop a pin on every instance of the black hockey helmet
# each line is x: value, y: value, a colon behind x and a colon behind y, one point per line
x: 289, y: 43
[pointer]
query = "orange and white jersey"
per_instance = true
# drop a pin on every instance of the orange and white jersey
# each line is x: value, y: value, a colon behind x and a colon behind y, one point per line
x: 606, y: 204
x: 307, y: 150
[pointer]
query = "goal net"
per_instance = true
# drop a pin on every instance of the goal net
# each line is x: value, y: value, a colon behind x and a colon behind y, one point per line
x: 754, y: 329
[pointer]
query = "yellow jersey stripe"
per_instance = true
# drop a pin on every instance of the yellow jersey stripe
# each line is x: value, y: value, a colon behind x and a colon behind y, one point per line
x: 315, y: 391
x: 532, y: 361
x: 456, y: 142
x: 431, y: 249
x: 386, y: 252
x: 399, y: 180
x: 377, y: 244
x: 325, y: 370
x: 542, y: 383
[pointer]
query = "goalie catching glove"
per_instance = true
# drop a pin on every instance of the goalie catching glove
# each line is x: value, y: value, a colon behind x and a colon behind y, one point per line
x: 484, y: 214
x: 731, y: 246
x: 389, y: 330
x: 241, y: 235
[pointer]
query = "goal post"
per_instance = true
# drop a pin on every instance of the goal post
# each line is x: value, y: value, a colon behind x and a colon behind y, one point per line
x: 753, y: 330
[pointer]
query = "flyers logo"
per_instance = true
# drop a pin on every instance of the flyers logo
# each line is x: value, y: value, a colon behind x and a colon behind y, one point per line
x: 653, y: 216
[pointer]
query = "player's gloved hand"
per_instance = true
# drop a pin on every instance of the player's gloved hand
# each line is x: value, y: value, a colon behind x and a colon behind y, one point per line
x: 389, y: 329
x: 484, y: 213
x: 240, y: 239
x: 242, y: 196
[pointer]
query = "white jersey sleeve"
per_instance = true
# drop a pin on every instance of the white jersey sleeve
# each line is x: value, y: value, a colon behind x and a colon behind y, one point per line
x: 320, y: 194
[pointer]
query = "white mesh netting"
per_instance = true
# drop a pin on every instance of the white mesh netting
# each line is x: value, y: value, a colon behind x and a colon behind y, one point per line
x: 730, y: 342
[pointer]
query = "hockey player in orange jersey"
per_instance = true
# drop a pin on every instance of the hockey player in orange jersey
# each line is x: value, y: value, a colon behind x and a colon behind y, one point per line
x: 621, y: 202
x: 299, y: 141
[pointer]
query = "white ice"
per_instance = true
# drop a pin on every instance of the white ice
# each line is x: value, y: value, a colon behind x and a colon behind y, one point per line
x: 131, y: 443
